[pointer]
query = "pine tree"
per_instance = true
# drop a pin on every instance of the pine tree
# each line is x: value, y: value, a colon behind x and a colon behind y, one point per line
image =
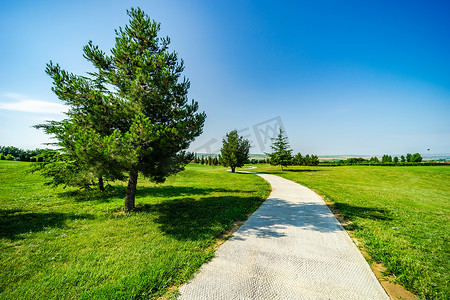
x: 235, y: 150
x: 307, y: 160
x: 143, y: 123
x: 281, y: 153
x: 314, y: 160
x: 297, y: 160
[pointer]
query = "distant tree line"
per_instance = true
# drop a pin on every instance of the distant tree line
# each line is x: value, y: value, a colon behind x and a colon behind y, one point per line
x: 386, y: 160
x: 282, y: 154
x: 307, y: 160
x: 207, y: 160
x: 235, y: 153
x: 14, y: 153
x: 259, y: 161
x: 217, y: 160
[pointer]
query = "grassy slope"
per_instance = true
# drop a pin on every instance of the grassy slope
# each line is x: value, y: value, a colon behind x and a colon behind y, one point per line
x: 416, y: 200
x: 68, y: 244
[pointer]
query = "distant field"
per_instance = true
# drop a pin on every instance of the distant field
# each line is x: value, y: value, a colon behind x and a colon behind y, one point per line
x: 61, y: 244
x: 402, y: 215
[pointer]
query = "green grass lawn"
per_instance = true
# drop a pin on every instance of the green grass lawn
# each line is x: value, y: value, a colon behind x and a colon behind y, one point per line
x: 63, y: 243
x: 401, y: 214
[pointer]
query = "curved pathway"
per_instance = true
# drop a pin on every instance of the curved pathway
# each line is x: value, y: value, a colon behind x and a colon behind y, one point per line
x: 292, y: 247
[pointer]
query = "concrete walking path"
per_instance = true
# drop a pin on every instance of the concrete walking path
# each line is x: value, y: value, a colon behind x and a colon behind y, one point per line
x: 292, y: 247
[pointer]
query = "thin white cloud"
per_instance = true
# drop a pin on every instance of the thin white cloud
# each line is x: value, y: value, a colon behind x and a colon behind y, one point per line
x: 18, y: 102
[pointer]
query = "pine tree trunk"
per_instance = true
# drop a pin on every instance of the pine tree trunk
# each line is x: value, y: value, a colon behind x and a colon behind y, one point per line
x: 281, y: 167
x: 100, y: 183
x: 233, y: 169
x: 131, y: 190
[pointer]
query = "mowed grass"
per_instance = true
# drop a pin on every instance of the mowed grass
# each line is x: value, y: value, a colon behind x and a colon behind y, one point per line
x: 64, y: 243
x: 401, y: 214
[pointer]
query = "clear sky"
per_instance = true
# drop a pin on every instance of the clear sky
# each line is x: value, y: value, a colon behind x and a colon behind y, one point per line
x: 343, y: 77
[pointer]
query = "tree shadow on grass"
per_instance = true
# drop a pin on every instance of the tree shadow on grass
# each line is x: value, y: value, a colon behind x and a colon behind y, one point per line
x: 177, y: 191
x: 276, y: 215
x: 351, y: 212
x: 78, y: 195
x: 205, y: 218
x: 167, y: 191
x: 14, y: 222
x: 199, y: 219
x: 202, y: 219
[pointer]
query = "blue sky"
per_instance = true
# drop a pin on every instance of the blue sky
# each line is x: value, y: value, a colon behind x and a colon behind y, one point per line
x: 344, y: 77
